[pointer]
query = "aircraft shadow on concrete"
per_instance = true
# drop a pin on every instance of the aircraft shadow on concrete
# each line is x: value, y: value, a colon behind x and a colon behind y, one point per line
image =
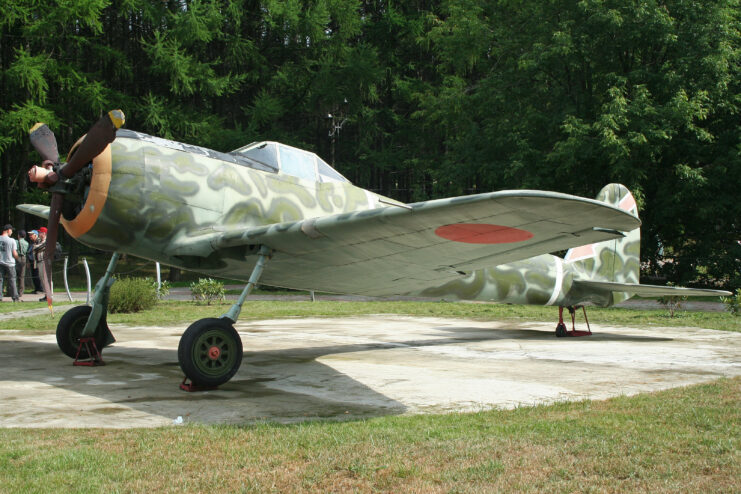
x: 523, y: 332
x: 285, y: 384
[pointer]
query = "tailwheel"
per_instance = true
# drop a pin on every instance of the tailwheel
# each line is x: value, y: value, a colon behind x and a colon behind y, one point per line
x: 210, y: 352
x: 70, y: 329
x: 561, y: 330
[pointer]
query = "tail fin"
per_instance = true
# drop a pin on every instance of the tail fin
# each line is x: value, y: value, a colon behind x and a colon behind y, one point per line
x: 616, y: 261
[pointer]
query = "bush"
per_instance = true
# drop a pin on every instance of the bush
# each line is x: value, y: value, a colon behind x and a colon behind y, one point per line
x: 207, y: 290
x: 733, y: 303
x: 132, y: 295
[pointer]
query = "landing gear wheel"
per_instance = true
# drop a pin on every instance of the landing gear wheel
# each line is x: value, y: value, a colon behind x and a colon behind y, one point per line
x: 210, y: 352
x: 70, y: 328
x: 561, y: 330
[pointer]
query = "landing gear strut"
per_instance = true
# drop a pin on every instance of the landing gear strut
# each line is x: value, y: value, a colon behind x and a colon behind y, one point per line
x: 210, y: 350
x: 82, y: 331
x: 561, y: 330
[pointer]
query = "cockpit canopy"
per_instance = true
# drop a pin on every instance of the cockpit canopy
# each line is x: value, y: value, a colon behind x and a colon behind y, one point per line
x: 291, y: 161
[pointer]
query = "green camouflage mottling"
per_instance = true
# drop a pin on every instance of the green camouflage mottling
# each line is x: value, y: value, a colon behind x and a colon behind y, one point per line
x: 165, y: 200
x: 209, y: 212
x: 549, y: 280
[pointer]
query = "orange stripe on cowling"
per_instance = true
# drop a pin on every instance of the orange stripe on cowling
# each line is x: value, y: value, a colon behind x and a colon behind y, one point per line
x: 97, y: 195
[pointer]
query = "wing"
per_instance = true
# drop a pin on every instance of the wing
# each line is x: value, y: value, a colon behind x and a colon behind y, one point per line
x: 652, y: 290
x: 395, y: 250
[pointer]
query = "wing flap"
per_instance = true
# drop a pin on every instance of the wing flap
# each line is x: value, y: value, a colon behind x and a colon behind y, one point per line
x: 652, y: 290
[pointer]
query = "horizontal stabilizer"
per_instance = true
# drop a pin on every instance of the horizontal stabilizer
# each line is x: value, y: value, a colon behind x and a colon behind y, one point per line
x: 651, y: 290
x: 35, y: 209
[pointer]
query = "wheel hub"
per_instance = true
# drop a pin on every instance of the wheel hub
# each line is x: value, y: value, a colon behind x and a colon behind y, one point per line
x: 214, y: 352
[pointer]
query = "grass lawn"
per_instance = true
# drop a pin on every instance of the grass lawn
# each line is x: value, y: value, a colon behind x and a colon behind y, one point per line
x: 681, y: 440
x: 184, y: 313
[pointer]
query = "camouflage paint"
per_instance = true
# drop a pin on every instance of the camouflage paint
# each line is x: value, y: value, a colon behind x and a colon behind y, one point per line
x: 173, y: 203
x: 170, y: 198
x: 548, y: 279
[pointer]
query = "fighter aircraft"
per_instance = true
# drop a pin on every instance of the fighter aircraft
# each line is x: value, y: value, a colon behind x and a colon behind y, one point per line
x: 280, y: 215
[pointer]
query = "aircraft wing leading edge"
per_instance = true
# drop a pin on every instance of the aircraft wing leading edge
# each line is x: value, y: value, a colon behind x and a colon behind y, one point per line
x: 395, y: 250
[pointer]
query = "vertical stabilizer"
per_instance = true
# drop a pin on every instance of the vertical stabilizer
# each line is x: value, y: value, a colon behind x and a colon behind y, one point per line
x: 615, y: 261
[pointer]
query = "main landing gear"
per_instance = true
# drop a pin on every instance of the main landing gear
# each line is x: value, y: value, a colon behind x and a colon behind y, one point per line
x: 561, y: 330
x: 210, y: 350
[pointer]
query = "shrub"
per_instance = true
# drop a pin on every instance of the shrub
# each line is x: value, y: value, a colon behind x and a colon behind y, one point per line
x: 733, y: 303
x: 132, y: 295
x: 673, y: 303
x: 207, y: 290
x: 164, y: 290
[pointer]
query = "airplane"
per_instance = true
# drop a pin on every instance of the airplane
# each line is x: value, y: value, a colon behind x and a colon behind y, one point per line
x: 280, y: 215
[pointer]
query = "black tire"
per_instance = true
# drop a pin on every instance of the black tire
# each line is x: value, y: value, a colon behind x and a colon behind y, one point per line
x: 561, y: 330
x: 71, y: 325
x: 210, y: 352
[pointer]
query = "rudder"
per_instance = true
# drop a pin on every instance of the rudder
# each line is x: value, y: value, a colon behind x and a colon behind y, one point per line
x: 612, y: 260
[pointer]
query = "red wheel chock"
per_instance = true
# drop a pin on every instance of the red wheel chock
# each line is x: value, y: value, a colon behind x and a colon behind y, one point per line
x: 573, y: 332
x: 94, y: 357
x: 192, y: 388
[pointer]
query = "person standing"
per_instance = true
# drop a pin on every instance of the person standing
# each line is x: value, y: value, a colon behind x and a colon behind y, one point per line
x: 20, y: 265
x: 33, y: 236
x: 38, y: 254
x: 8, y: 256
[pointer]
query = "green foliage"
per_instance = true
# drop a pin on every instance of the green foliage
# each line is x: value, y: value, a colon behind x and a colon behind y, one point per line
x: 208, y: 290
x: 132, y: 295
x: 443, y: 97
x: 672, y: 303
x: 733, y: 303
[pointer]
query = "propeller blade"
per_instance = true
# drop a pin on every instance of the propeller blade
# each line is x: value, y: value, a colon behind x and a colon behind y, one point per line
x: 102, y: 133
x: 43, y: 141
x: 52, y: 230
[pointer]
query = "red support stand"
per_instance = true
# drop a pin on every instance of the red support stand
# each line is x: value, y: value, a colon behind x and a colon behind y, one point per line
x: 94, y: 357
x: 192, y: 388
x: 561, y: 328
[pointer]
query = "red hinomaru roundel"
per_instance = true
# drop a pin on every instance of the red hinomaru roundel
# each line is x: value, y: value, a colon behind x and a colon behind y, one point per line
x: 482, y: 233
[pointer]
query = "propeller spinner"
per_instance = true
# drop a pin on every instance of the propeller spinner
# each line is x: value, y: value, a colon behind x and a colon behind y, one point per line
x: 50, y: 173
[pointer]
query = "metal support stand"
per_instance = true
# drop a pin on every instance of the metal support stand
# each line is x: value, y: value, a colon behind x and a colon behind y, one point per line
x: 233, y: 312
x: 561, y: 327
x: 95, y: 358
x: 159, y: 278
x: 100, y: 298
x: 191, y: 388
x: 87, y: 277
x: 66, y: 285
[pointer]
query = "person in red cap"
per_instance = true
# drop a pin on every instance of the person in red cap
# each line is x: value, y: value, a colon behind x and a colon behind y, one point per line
x: 38, y: 255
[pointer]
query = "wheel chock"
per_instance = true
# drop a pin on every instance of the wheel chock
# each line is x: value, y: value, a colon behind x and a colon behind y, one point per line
x: 193, y: 388
x: 94, y: 357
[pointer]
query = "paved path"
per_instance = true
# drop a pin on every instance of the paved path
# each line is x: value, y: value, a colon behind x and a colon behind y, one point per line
x: 339, y: 368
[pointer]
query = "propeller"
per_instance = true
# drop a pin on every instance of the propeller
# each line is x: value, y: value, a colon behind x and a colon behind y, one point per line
x: 50, y: 172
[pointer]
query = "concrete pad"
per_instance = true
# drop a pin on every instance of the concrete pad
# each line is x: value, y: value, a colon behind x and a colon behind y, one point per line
x: 298, y: 369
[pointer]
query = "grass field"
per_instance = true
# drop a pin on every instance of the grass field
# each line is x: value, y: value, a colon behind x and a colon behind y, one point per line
x: 681, y: 440
x: 184, y: 313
